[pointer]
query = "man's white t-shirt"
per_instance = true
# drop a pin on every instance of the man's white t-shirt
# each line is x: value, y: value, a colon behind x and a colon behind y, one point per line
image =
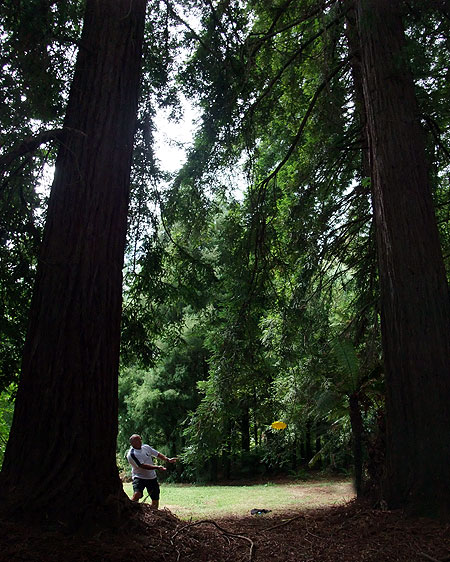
x: 144, y: 455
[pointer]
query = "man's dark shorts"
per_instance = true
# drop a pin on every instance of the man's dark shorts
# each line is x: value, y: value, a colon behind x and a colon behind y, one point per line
x: 139, y: 485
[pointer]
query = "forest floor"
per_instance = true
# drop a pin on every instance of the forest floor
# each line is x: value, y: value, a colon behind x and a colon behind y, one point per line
x: 351, y: 532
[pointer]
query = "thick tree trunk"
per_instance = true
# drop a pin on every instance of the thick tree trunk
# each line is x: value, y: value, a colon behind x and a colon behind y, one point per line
x: 357, y: 440
x: 414, y: 293
x: 60, y: 462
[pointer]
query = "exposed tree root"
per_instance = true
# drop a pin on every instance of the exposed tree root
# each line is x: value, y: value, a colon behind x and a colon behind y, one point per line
x: 224, y: 531
x: 354, y: 532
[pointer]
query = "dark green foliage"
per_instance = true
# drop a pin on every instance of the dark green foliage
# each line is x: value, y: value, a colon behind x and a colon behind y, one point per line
x: 286, y: 274
x: 37, y: 52
x: 251, y: 281
x: 39, y: 38
x: 6, y: 413
x: 154, y: 402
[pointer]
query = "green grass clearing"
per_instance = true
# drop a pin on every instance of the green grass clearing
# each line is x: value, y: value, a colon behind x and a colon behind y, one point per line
x: 199, y: 502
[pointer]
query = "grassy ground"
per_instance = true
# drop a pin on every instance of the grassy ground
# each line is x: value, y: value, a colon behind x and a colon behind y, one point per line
x: 199, y: 502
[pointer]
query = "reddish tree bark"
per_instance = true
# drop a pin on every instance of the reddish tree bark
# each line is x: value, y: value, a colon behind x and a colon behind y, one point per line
x: 60, y: 462
x: 357, y: 440
x: 414, y: 294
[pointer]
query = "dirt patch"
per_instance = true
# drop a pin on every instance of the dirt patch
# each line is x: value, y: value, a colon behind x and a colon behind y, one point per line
x: 354, y: 532
x: 342, y: 492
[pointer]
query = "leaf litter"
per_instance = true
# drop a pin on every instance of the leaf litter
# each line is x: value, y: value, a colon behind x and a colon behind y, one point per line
x: 353, y: 532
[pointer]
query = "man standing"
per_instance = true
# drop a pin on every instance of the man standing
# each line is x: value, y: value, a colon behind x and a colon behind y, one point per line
x: 143, y: 471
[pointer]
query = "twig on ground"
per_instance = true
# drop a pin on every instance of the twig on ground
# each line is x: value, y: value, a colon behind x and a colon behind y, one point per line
x: 224, y: 531
x: 428, y: 557
x: 312, y: 534
x: 281, y: 524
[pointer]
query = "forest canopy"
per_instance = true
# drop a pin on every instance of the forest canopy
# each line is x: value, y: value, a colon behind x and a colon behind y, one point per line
x: 262, y: 280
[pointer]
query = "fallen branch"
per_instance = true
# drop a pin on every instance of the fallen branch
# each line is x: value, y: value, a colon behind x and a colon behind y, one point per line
x: 281, y: 524
x: 224, y: 531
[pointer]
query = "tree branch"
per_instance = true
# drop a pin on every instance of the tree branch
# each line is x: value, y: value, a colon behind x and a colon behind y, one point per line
x: 436, y: 132
x: 180, y: 248
x: 272, y: 32
x: 304, y: 121
x: 178, y: 18
x: 296, y: 54
x: 30, y: 145
x: 33, y: 143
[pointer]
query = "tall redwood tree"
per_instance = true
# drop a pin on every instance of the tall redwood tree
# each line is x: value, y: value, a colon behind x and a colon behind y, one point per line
x: 60, y: 461
x: 414, y: 293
